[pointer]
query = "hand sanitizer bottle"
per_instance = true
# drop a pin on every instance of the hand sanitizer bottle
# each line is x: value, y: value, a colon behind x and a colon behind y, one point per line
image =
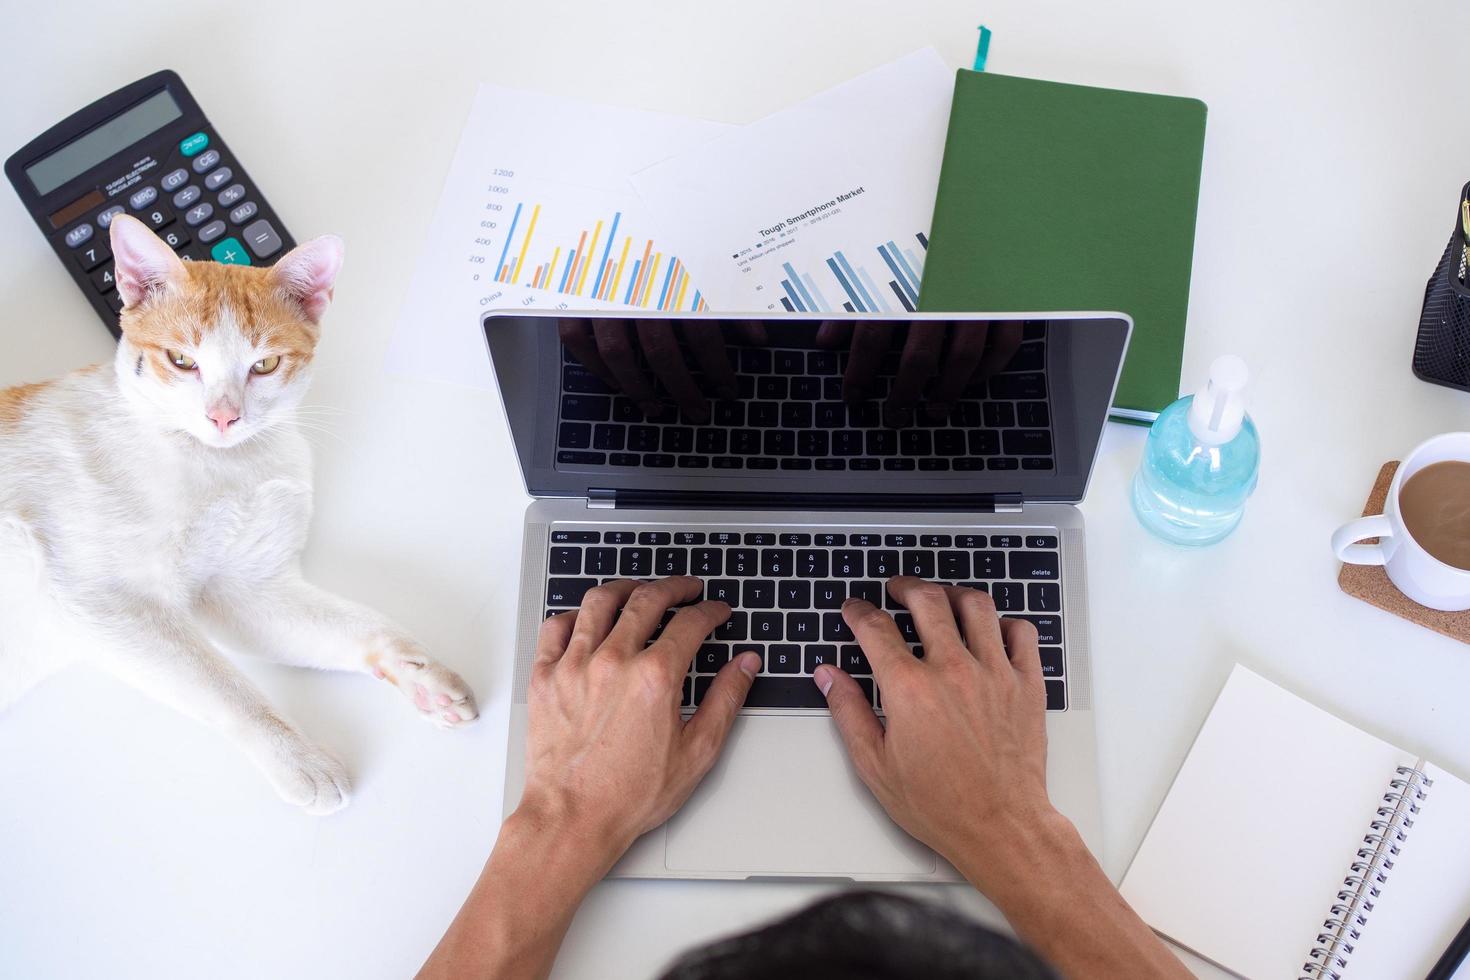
x: 1200, y: 461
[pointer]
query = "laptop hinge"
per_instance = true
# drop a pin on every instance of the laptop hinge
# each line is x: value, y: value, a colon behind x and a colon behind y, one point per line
x: 984, y: 503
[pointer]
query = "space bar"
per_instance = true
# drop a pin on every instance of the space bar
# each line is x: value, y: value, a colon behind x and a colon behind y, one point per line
x: 784, y: 692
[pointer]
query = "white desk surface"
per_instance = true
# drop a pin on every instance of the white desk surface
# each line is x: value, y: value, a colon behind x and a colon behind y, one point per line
x: 135, y: 843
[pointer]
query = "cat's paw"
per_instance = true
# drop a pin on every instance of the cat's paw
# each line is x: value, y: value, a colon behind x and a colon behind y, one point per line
x: 438, y: 692
x: 308, y: 777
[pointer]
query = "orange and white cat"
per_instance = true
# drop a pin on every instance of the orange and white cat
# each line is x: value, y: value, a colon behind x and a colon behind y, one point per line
x: 155, y: 507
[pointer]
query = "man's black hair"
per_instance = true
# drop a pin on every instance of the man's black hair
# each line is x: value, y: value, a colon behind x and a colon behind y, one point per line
x: 865, y: 936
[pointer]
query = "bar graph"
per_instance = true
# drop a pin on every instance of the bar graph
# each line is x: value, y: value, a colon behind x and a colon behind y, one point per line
x: 597, y: 264
x: 900, y: 269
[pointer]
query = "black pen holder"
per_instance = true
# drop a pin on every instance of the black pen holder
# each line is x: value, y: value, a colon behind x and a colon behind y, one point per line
x: 1442, y: 349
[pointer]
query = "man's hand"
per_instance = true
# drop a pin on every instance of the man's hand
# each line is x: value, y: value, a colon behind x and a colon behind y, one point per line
x: 609, y: 349
x: 963, y: 759
x: 962, y: 767
x: 608, y: 751
x: 609, y: 757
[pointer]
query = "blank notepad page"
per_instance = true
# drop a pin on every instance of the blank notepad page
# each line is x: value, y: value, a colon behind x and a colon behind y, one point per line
x: 1249, y: 849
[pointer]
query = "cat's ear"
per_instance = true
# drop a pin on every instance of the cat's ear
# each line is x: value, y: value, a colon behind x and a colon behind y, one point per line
x: 308, y: 272
x: 142, y: 260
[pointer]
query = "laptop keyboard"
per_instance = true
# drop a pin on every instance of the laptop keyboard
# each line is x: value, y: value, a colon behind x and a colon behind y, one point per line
x: 791, y: 415
x: 786, y: 589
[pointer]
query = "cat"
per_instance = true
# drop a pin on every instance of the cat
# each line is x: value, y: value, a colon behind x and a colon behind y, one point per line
x: 156, y: 508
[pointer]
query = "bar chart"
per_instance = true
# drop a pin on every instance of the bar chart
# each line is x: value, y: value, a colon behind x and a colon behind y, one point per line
x: 539, y: 213
x: 857, y: 291
x: 593, y: 262
x: 820, y: 208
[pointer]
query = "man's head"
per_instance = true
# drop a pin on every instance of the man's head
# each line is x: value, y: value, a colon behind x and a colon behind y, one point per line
x: 865, y: 936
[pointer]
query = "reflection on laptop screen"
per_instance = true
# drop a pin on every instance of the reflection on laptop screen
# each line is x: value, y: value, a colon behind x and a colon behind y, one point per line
x: 800, y: 405
x: 848, y: 406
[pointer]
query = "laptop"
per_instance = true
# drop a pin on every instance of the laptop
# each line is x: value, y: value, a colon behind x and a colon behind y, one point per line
x: 786, y: 499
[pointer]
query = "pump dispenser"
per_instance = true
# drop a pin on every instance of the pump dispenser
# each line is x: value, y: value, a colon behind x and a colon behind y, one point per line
x: 1217, y: 413
x: 1200, y: 462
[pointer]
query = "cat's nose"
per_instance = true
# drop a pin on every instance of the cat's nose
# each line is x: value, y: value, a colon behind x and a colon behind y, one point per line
x: 223, y: 417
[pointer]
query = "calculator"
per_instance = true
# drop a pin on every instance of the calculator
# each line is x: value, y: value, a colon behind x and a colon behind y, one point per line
x: 145, y: 150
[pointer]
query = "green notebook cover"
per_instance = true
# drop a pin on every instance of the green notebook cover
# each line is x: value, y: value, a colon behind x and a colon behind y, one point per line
x: 1065, y: 197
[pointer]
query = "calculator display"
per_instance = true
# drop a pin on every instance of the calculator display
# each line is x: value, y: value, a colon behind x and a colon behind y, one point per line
x: 118, y: 133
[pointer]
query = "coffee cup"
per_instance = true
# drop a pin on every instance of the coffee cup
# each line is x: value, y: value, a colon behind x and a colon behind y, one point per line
x: 1427, y: 555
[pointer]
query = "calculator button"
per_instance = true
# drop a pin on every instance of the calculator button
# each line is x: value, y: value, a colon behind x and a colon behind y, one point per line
x: 115, y: 301
x: 103, y: 279
x: 189, y: 255
x: 230, y: 252
x: 243, y: 213
x: 158, y: 217
x: 219, y: 178
x: 187, y: 196
x: 211, y: 231
x: 92, y: 256
x: 175, y: 238
x: 262, y: 238
x: 141, y: 199
x: 174, y: 179
x: 105, y: 218
x: 205, y: 161
x: 199, y: 214
x: 191, y: 145
x: 231, y: 195
x: 78, y: 235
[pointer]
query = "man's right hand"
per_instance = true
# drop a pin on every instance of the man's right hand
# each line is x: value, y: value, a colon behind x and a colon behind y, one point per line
x: 962, y: 767
x: 963, y: 759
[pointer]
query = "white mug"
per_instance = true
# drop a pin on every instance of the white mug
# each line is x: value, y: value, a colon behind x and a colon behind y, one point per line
x: 1417, y: 574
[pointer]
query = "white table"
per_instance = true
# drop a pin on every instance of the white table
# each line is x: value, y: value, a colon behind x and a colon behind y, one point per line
x: 135, y: 843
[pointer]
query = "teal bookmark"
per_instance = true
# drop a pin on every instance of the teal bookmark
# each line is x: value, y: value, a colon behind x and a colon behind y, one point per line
x: 982, y: 50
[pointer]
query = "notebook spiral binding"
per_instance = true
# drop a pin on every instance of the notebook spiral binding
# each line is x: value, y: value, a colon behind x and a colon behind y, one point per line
x: 1366, y: 875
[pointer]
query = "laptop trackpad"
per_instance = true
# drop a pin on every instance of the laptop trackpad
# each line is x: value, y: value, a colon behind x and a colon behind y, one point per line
x: 783, y: 799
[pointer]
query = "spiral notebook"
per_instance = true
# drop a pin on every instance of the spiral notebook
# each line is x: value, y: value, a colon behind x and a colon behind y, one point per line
x: 1295, y: 845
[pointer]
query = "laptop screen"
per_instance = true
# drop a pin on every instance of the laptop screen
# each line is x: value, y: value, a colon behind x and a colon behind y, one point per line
x: 836, y: 408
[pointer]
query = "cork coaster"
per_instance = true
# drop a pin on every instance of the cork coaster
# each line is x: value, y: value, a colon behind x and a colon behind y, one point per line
x: 1370, y: 582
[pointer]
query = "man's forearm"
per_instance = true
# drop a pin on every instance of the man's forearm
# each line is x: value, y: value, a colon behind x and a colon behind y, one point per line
x: 515, y: 917
x: 1059, y: 901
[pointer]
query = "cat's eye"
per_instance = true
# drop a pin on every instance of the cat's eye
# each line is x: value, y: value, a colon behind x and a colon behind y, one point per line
x: 181, y: 361
x: 266, y: 364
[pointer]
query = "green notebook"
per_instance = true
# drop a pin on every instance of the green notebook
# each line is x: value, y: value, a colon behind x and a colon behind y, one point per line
x: 1064, y: 197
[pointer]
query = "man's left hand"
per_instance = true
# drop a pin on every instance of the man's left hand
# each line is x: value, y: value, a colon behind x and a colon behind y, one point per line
x: 609, y: 752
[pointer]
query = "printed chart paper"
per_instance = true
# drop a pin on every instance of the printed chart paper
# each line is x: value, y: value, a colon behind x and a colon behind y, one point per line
x: 538, y: 213
x: 821, y: 207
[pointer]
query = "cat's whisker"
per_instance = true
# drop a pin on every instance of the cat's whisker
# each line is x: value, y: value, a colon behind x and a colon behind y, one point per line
x: 306, y: 429
x: 309, y: 424
x: 314, y: 438
x: 294, y: 419
x: 272, y: 435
